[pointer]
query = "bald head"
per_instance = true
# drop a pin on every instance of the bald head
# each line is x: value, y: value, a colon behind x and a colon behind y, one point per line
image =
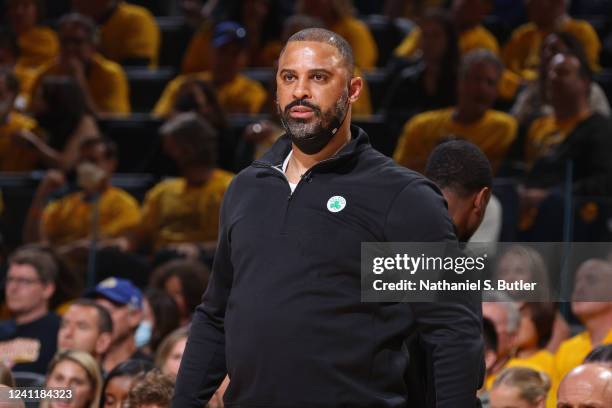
x: 328, y: 37
x: 588, y: 385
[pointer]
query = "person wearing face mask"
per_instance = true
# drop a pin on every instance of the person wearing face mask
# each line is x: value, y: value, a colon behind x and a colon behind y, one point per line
x: 282, y: 314
x: 66, y: 223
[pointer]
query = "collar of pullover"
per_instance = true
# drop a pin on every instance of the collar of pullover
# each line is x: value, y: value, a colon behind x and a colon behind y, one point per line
x: 280, y: 149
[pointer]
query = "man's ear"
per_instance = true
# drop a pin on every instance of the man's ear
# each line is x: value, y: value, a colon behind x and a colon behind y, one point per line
x: 48, y: 291
x: 481, y: 199
x: 355, y: 87
x: 134, y: 318
x: 103, y: 343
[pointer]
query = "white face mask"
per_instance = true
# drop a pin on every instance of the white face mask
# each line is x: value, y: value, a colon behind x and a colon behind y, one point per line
x: 143, y: 333
x: 89, y: 176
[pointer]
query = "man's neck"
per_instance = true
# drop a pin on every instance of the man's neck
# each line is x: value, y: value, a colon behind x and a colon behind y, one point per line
x: 118, y: 353
x: 556, y: 25
x: 598, y: 327
x: 467, y: 116
x: 302, y: 162
x: 197, y: 176
x: 32, y: 315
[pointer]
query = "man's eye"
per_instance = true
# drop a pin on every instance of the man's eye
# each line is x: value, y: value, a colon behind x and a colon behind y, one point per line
x: 289, y: 77
x: 318, y: 77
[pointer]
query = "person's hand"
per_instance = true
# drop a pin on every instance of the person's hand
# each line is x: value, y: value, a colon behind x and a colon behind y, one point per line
x: 53, y: 180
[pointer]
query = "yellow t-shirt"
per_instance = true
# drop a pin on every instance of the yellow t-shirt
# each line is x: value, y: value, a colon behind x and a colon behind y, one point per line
x: 174, y: 212
x: 70, y: 218
x: 37, y: 47
x: 197, y: 56
x: 107, y: 83
x: 572, y: 352
x: 14, y: 154
x: 522, y: 52
x: 358, y: 35
x: 547, y: 132
x: 493, y: 134
x: 130, y: 32
x: 469, y: 40
x: 474, y: 38
x: 241, y: 95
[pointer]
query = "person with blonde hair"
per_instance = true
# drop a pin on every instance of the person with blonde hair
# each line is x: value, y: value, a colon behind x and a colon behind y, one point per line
x: 520, y: 387
x: 170, y: 352
x: 78, y: 371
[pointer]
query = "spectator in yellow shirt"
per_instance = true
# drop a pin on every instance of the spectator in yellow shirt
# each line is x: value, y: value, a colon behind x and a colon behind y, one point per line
x: 431, y: 82
x: 534, y: 101
x: 38, y: 45
x: 67, y: 223
x: 471, y: 119
x: 129, y: 34
x: 102, y: 81
x: 16, y: 153
x: 182, y: 213
x: 9, y: 59
x: 503, y: 312
x: 262, y: 23
x: 467, y: 16
x: 338, y: 16
x: 236, y: 92
x: 591, y: 304
x: 522, y: 52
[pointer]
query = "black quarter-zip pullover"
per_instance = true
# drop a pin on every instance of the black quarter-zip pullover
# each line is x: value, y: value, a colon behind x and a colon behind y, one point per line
x: 283, y: 315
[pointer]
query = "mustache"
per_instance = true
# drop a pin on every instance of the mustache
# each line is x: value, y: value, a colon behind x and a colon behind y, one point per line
x: 302, y: 102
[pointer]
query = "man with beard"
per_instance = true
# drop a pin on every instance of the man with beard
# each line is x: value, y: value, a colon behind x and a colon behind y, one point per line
x: 283, y: 315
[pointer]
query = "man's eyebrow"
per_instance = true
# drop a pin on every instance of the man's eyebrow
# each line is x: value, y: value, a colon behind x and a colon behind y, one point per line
x: 310, y: 71
x: 285, y: 70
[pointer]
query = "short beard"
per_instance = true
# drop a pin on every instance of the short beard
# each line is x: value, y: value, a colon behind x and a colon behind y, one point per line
x: 301, y: 129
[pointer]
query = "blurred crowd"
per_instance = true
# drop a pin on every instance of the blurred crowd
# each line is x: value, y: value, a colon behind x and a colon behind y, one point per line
x: 122, y: 124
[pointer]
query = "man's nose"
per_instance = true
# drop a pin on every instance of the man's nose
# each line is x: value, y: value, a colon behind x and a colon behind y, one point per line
x: 301, y: 89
